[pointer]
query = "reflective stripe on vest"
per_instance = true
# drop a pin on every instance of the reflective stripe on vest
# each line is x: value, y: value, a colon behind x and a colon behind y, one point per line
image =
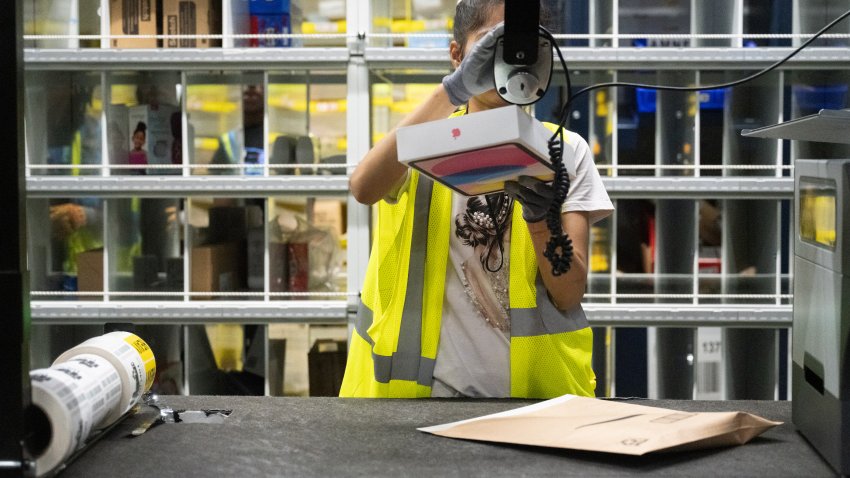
x: 544, y: 319
x: 407, y: 363
x: 403, y: 365
x: 227, y: 141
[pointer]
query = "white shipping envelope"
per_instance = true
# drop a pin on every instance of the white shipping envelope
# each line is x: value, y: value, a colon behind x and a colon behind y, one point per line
x: 589, y: 424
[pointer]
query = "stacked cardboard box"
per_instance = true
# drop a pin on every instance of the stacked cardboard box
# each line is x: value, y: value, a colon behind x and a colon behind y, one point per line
x: 132, y: 17
x: 218, y: 267
x: 178, y: 17
x: 190, y: 17
x: 90, y: 272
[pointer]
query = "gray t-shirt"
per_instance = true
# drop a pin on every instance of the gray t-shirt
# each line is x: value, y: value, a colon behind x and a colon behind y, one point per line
x: 473, y: 359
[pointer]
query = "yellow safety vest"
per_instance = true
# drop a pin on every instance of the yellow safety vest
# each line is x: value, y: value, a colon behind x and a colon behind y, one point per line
x: 393, y: 348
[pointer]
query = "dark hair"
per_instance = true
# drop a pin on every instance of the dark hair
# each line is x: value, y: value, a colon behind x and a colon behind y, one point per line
x: 470, y: 15
x: 141, y: 128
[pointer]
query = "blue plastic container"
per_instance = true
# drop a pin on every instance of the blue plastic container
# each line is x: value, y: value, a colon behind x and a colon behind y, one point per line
x: 270, y: 17
x: 810, y: 97
x: 708, y: 99
x: 268, y: 7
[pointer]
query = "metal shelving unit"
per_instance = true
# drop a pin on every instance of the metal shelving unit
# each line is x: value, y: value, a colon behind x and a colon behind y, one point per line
x: 165, y: 186
x: 601, y: 58
x: 139, y: 312
x: 335, y: 311
x: 183, y: 186
x: 256, y: 59
x: 719, y: 175
x: 699, y: 187
x: 591, y: 58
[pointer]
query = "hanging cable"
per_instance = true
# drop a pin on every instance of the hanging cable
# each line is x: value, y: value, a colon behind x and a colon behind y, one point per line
x: 615, y: 84
x: 559, y: 249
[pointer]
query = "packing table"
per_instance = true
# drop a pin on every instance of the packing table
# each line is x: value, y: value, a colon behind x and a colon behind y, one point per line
x: 272, y: 436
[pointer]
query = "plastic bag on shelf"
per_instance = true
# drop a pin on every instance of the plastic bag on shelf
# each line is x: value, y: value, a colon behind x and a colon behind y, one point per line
x: 315, y: 258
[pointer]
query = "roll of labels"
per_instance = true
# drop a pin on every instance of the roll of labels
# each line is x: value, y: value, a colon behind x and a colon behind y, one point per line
x: 87, y: 388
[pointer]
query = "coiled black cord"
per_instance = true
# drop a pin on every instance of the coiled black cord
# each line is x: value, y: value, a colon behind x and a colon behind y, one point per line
x: 559, y: 249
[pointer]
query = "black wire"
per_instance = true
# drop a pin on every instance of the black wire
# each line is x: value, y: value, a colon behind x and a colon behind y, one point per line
x: 570, y: 97
x: 559, y: 248
x: 548, y: 35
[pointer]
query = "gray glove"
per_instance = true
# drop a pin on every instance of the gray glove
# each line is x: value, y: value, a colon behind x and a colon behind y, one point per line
x: 534, y: 195
x: 475, y: 73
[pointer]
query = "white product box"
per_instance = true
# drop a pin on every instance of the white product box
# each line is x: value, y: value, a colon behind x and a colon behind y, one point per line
x: 476, y: 153
x: 159, y: 136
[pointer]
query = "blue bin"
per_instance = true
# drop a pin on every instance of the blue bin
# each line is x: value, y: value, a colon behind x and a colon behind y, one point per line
x: 810, y: 97
x: 646, y: 100
x: 268, y: 7
x: 708, y: 99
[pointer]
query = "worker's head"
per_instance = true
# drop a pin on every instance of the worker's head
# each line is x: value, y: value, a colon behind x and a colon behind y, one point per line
x: 473, y: 19
x: 139, y: 135
x: 253, y: 103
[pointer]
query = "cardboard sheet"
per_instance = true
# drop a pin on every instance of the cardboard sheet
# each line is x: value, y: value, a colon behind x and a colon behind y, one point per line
x: 589, y: 424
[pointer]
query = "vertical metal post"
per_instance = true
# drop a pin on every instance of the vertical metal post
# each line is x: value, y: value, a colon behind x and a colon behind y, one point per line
x: 358, y: 124
x: 14, y: 280
x: 675, y: 245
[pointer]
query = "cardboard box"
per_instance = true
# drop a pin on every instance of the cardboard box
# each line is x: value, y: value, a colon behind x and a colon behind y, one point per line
x: 218, y: 268
x: 326, y: 362
x: 330, y: 213
x: 190, y: 17
x: 476, y: 153
x: 132, y: 17
x: 155, y: 126
x: 90, y: 272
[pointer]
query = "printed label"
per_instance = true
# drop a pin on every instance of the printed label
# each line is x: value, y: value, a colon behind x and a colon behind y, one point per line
x: 91, y: 374
x: 147, y: 358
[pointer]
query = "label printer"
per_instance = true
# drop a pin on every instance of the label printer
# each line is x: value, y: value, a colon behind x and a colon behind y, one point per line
x: 821, y: 333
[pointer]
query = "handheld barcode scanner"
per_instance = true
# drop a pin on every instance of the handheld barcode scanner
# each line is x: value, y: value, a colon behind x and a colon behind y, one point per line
x: 476, y: 154
x: 523, y: 63
x: 522, y: 70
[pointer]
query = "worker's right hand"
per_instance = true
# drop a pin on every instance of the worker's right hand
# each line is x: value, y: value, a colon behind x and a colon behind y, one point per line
x: 474, y: 75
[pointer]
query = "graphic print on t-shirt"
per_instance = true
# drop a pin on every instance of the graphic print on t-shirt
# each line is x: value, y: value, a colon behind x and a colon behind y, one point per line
x: 482, y: 228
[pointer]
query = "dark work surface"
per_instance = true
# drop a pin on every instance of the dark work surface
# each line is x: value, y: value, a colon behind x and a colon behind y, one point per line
x: 369, y: 437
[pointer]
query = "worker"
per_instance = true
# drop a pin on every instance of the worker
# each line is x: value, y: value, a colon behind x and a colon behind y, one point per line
x: 244, y: 144
x: 458, y: 299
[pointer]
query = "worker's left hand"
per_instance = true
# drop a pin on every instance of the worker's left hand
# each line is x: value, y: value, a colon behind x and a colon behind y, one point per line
x: 534, y: 195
